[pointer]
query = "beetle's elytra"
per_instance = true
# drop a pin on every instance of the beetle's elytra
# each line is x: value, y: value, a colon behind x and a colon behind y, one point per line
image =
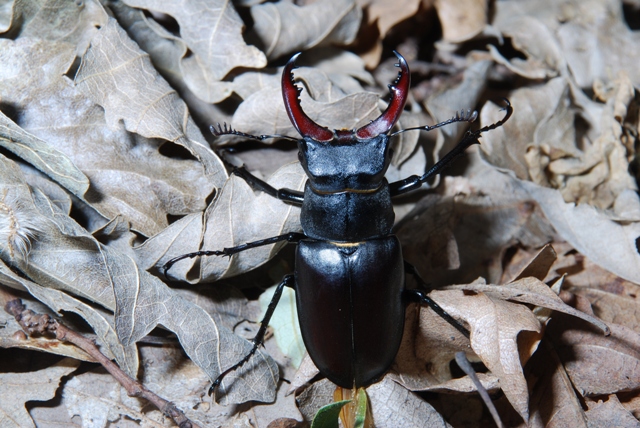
x: 349, y: 274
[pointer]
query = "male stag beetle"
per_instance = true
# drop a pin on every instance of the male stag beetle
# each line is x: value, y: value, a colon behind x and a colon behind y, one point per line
x: 349, y: 271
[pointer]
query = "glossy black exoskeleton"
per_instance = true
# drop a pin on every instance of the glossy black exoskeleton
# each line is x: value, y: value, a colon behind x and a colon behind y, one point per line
x: 349, y: 271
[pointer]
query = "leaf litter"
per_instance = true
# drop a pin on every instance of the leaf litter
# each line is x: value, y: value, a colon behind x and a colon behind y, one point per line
x: 107, y: 174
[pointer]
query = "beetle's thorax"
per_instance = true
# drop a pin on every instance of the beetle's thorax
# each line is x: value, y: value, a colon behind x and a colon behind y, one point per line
x: 346, y: 163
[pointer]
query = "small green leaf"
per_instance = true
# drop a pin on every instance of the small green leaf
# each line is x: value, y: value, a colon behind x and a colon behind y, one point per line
x: 327, y: 416
x: 361, y: 408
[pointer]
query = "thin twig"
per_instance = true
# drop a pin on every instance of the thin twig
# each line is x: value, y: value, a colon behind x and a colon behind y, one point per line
x: 33, y: 323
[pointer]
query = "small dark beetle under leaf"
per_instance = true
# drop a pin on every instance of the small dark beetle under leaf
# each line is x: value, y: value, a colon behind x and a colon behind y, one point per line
x: 350, y: 274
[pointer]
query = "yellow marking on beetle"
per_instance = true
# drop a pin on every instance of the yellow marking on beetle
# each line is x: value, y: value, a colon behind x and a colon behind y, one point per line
x: 345, y: 244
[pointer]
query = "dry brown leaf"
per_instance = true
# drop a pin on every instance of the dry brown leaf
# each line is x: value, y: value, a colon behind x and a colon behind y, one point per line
x: 210, y: 44
x: 615, y: 249
x: 596, y: 364
x: 612, y: 308
x: 538, y: 44
x: 534, y: 292
x: 285, y: 28
x: 263, y: 112
x: 64, y: 21
x: 388, y: 401
x: 101, y: 321
x: 461, y: 19
x: 495, y: 326
x: 53, y: 110
x: 42, y: 156
x: 65, y: 257
x: 240, y: 216
x: 114, y: 61
x: 18, y: 388
x: 553, y: 401
x: 609, y: 413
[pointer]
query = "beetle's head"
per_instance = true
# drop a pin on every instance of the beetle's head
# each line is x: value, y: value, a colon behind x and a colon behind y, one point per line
x: 342, y: 159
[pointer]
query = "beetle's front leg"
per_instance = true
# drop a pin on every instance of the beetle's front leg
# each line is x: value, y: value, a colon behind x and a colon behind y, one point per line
x: 292, y: 196
x: 414, y: 182
x: 287, y: 281
x: 419, y: 296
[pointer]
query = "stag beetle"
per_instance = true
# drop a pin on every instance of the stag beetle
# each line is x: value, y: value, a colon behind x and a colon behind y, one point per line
x: 349, y: 271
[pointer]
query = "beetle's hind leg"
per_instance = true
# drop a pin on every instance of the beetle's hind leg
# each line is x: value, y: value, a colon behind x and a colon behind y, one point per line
x: 420, y: 296
x: 258, y: 340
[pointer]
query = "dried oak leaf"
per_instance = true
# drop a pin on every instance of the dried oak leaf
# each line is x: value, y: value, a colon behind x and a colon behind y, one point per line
x: 43, y: 156
x: 236, y: 216
x: 127, y: 173
x: 12, y: 336
x: 210, y: 43
x: 596, y: 364
x: 538, y: 44
x: 65, y: 257
x: 495, y: 326
x: 101, y: 321
x: 63, y: 21
x: 553, y: 402
x: 609, y: 413
x: 389, y: 401
x: 461, y: 20
x: 18, y: 388
x: 284, y: 27
x: 615, y: 246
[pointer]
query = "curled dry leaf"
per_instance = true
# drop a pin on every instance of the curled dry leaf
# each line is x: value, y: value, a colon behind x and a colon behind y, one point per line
x: 115, y: 61
x: 69, y: 22
x: 18, y: 388
x: 461, y: 19
x: 11, y: 334
x: 42, y: 156
x: 63, y: 256
x: 389, y: 401
x: 118, y: 164
x: 209, y: 45
x: 495, y: 326
x: 592, y: 35
x: 553, y: 403
x: 285, y: 28
x: 101, y: 321
x: 239, y: 215
x: 596, y: 364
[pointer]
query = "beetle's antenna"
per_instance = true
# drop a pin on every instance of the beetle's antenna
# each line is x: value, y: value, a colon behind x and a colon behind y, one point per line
x: 224, y: 130
x: 461, y: 116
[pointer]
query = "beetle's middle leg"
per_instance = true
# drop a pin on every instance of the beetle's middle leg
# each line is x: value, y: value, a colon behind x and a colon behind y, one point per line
x: 293, y: 237
x: 420, y: 296
x: 258, y: 340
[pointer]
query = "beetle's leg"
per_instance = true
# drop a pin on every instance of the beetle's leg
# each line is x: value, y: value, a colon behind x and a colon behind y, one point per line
x: 292, y: 196
x: 289, y: 237
x: 470, y: 138
x: 420, y: 296
x: 287, y: 281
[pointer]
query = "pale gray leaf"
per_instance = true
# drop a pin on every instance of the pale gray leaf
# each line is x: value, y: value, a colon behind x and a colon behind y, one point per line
x: 285, y: 27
